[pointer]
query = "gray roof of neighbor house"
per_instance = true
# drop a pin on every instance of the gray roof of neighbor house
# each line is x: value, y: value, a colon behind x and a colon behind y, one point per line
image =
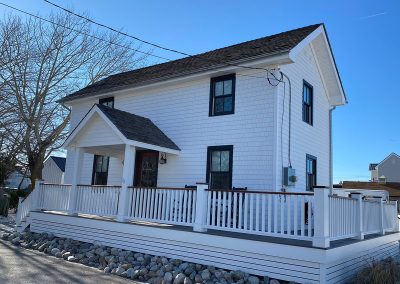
x: 266, y: 46
x: 137, y: 128
x: 60, y: 162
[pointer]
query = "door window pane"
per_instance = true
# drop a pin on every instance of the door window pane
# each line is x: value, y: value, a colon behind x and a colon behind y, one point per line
x: 219, y: 173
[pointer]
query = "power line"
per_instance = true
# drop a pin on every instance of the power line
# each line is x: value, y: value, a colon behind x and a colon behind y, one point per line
x: 82, y: 33
x: 150, y: 43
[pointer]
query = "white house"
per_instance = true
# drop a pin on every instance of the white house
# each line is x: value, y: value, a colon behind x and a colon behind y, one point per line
x: 53, y: 169
x: 388, y: 170
x: 223, y: 158
x: 17, y: 179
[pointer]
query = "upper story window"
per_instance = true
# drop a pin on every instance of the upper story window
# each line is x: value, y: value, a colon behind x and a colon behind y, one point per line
x: 311, y: 172
x: 307, y: 103
x: 219, y: 167
x: 107, y: 102
x: 222, y: 95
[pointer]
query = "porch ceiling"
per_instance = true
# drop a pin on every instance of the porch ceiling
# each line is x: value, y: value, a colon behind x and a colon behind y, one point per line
x: 112, y: 129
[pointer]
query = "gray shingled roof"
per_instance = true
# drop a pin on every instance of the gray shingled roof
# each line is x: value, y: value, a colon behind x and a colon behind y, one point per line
x: 266, y: 46
x: 137, y: 128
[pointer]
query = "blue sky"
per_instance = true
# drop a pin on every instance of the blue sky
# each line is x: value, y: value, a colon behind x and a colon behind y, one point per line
x: 365, y: 37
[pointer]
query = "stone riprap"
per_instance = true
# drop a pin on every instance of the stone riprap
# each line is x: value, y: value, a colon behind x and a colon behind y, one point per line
x: 128, y: 264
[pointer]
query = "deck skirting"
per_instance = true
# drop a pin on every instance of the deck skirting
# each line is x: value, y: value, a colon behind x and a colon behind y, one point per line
x: 287, y: 262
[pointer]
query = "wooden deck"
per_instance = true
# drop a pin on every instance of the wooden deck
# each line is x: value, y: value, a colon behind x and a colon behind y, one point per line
x: 243, y: 236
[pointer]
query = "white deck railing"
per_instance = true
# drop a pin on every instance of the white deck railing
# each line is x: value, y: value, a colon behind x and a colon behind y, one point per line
x: 342, y: 217
x: 54, y: 197
x: 163, y: 205
x: 318, y: 217
x: 286, y: 215
x: 98, y: 200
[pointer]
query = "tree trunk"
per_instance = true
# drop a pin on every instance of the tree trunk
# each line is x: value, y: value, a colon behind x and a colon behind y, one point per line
x: 35, y: 164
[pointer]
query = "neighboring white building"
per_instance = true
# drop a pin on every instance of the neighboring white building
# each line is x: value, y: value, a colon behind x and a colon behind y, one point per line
x: 239, y: 121
x: 17, y: 179
x: 53, y: 170
x: 386, y: 171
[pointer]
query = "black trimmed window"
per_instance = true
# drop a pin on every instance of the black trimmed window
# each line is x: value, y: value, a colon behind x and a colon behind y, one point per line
x: 311, y: 172
x: 100, y: 170
x: 219, y: 167
x: 307, y: 103
x: 107, y: 102
x: 222, y: 95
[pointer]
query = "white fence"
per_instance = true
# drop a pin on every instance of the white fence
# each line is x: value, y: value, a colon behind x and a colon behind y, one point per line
x: 318, y: 217
x: 286, y: 215
x: 98, y: 200
x: 163, y: 205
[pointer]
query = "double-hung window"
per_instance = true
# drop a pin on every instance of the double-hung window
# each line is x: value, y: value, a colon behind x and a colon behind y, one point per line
x: 100, y: 170
x: 101, y: 163
x: 222, y: 95
x: 307, y: 103
x: 219, y: 167
x: 311, y: 172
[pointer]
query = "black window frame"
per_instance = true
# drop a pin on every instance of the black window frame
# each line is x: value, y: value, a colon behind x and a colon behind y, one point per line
x: 213, y: 81
x: 94, y: 172
x: 308, y: 108
x: 211, y: 149
x: 314, y: 160
x: 105, y: 101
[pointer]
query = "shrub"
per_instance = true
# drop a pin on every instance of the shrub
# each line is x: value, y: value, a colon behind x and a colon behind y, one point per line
x: 14, y: 196
x: 386, y: 271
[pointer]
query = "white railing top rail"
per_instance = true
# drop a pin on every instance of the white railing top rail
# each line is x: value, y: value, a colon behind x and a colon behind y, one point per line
x: 260, y: 192
x: 162, y: 188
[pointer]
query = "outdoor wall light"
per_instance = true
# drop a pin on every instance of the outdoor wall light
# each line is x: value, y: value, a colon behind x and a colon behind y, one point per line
x: 163, y: 158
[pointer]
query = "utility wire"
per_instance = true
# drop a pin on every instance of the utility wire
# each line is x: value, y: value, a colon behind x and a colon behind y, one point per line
x: 82, y: 33
x: 150, y: 43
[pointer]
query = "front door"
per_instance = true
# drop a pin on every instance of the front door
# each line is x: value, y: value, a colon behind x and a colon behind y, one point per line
x: 146, y: 168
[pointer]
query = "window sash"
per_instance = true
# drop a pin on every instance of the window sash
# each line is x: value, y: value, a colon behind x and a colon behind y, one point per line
x: 307, y: 103
x: 100, y: 169
x: 311, y: 172
x: 222, y: 97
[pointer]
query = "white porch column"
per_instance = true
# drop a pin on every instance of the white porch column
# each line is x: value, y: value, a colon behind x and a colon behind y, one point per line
x: 321, y: 218
x: 359, y: 215
x: 37, y: 195
x: 201, y: 208
x: 127, y: 180
x: 76, y: 174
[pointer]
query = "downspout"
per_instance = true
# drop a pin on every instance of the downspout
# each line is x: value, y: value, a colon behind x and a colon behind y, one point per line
x: 330, y: 151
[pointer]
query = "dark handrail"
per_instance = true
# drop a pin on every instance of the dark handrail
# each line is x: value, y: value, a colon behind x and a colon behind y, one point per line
x: 261, y: 192
x: 96, y: 185
x: 164, y: 187
x: 62, y: 184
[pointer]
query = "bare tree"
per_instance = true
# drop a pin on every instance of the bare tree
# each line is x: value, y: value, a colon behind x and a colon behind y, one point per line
x: 41, y: 62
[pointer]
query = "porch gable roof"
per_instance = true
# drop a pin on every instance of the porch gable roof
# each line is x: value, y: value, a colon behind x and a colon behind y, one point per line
x: 132, y: 129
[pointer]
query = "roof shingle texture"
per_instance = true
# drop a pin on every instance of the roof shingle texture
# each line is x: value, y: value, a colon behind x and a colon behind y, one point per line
x: 137, y: 128
x: 60, y: 162
x: 266, y: 46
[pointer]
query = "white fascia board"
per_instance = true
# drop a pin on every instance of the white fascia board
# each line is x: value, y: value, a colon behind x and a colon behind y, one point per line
x: 86, y: 119
x: 281, y: 58
x: 294, y: 52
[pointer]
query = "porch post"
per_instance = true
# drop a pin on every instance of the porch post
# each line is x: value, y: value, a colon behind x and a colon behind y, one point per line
x: 321, y: 218
x: 381, y: 216
x: 76, y: 174
x: 201, y: 208
x: 359, y: 215
x: 37, y: 194
x: 127, y: 180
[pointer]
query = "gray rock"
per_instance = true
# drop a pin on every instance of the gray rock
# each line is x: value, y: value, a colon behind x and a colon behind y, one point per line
x: 189, y: 270
x: 54, y: 251
x: 205, y: 275
x: 129, y: 272
x: 164, y: 260
x: 58, y: 255
x: 168, y: 267
x: 274, y: 281
x: 143, y: 271
x: 107, y: 270
x: 183, y: 266
x: 180, y: 278
x: 187, y: 280
x: 15, y: 241
x: 253, y: 280
x: 66, y: 255
x: 71, y: 258
x: 5, y: 236
x: 168, y: 277
x: 119, y: 271
x: 198, y: 278
x: 237, y: 275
